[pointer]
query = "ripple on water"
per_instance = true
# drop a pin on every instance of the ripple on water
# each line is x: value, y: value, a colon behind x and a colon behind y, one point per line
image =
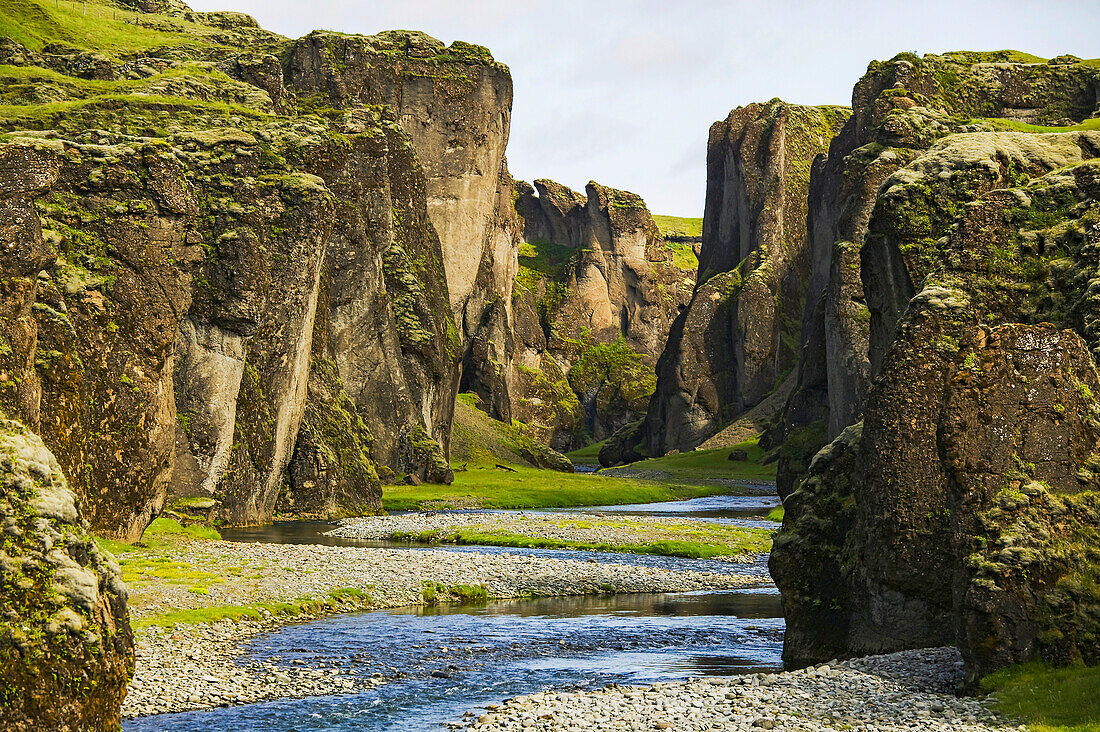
x: 481, y: 655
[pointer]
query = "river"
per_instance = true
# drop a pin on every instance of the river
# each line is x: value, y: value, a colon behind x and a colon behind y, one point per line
x: 442, y: 661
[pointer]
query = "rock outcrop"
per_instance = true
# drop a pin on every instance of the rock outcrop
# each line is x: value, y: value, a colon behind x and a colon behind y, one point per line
x: 596, y: 294
x: 234, y: 285
x: 65, y: 641
x: 901, y: 108
x: 958, y: 508
x: 455, y: 104
x: 739, y: 335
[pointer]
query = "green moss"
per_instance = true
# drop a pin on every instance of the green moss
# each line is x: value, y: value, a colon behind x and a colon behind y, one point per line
x: 614, y: 365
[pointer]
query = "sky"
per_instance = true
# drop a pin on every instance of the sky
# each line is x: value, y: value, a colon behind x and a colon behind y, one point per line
x: 624, y: 91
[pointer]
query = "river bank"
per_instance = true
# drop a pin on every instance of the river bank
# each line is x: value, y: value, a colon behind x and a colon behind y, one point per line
x: 632, y: 533
x: 908, y: 690
x: 184, y: 663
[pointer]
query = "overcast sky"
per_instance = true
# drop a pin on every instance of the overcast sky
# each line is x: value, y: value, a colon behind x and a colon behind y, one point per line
x: 623, y: 92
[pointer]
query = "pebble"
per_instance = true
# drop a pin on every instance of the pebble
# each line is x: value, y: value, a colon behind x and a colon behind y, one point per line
x: 911, y: 690
x: 200, y: 666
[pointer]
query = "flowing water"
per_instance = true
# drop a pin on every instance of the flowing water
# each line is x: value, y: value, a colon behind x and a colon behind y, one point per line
x: 441, y: 662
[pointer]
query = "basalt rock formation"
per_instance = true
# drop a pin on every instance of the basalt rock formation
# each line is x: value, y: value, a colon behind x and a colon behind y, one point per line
x: 65, y: 641
x: 956, y: 321
x: 227, y: 277
x: 901, y: 108
x: 455, y: 104
x: 740, y: 334
x: 596, y: 294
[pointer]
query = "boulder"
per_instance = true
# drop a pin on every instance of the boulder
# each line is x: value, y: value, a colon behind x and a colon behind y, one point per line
x: 65, y: 641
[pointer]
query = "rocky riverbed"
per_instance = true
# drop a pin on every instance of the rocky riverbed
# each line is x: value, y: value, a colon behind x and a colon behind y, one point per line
x: 588, y: 529
x: 900, y: 691
x: 199, y: 666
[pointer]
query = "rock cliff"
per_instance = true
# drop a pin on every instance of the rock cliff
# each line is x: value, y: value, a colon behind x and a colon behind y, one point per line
x: 955, y: 252
x: 455, y: 103
x: 900, y: 109
x: 65, y: 641
x: 596, y: 294
x: 740, y: 334
x: 230, y: 279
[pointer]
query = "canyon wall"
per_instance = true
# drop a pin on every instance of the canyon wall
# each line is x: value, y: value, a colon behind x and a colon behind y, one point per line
x: 739, y: 336
x: 596, y: 294
x: 233, y: 287
x: 950, y: 348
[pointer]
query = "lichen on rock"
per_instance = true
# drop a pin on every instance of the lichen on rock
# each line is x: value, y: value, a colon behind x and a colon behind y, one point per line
x: 65, y: 641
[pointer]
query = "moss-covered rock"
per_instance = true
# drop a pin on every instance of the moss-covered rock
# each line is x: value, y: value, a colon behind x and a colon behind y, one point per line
x: 740, y: 334
x: 65, y: 641
x: 969, y: 490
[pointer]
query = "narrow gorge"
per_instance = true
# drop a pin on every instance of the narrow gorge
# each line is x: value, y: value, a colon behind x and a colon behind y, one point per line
x: 279, y: 329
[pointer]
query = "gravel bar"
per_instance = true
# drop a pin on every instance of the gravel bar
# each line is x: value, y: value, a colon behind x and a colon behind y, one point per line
x: 912, y: 690
x: 200, y: 666
x: 588, y: 528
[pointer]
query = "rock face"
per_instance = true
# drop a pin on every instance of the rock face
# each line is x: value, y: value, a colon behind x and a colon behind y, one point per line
x: 596, y: 294
x: 901, y: 108
x: 221, y: 293
x: 738, y: 337
x: 65, y: 640
x: 958, y: 509
x: 455, y: 103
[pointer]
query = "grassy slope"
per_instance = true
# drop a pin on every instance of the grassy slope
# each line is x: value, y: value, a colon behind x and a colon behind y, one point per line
x: 705, y: 465
x: 587, y: 455
x: 678, y: 226
x: 1048, y: 700
x: 480, y: 443
x: 105, y: 28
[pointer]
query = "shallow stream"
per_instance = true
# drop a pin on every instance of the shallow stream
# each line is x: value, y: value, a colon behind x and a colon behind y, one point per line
x: 440, y: 662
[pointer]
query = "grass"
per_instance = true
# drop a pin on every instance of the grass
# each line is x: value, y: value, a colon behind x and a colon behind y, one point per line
x: 678, y: 226
x: 486, y: 486
x: 1048, y: 699
x: 436, y: 592
x: 336, y: 598
x: 1009, y: 125
x: 707, y: 465
x: 587, y: 455
x: 718, y: 542
x: 105, y: 28
x: 776, y: 514
x: 162, y: 533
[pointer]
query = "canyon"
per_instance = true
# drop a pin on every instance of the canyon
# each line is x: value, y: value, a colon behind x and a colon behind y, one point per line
x: 255, y: 284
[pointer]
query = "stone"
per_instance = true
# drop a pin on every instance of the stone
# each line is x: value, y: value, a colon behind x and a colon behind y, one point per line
x: 65, y: 640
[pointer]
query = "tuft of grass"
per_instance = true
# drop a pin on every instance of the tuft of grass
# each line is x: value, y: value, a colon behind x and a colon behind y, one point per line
x: 1048, y: 699
x: 437, y: 592
x: 776, y: 515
